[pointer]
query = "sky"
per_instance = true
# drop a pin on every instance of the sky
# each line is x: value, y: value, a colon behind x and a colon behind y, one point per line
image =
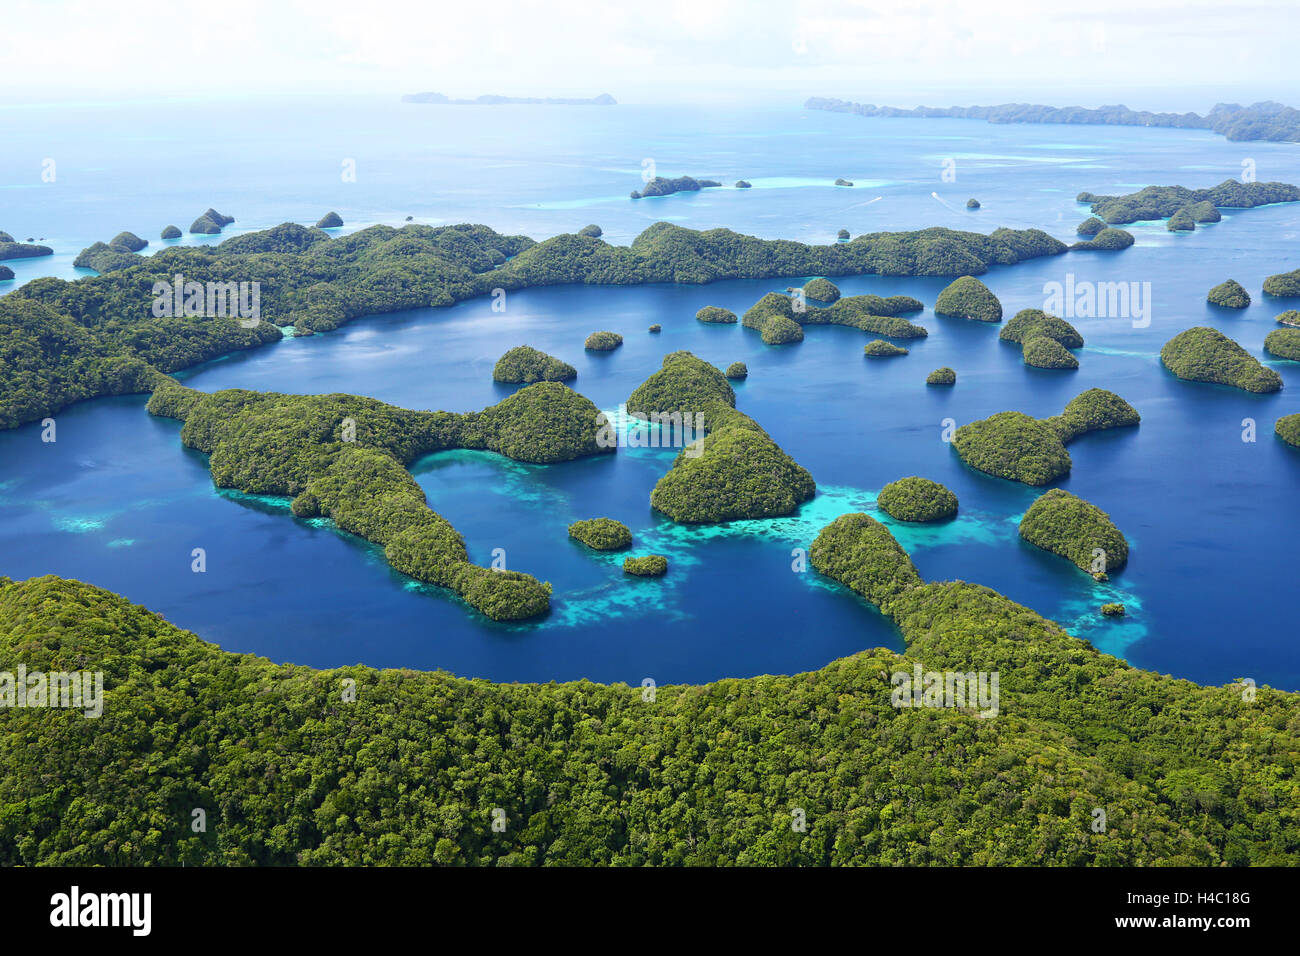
x: 1156, y: 54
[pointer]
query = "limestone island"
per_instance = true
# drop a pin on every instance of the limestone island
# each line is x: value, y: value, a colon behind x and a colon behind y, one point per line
x: 489, y: 99
x: 972, y: 204
x: 1067, y: 525
x: 1017, y: 447
x: 646, y: 566
x: 6, y: 273
x: 603, y: 341
x: 843, y: 182
x: 656, y: 329
x: 1181, y: 221
x: 917, y: 499
x: 1113, y: 610
x: 1203, y: 354
x: 9, y: 249
x: 1288, y: 429
x: 271, y: 444
x: 331, y: 220
x: 743, y: 184
x: 842, y: 235
x: 210, y: 223
x: 1090, y: 227
x: 823, y: 290
x: 593, y: 230
x: 716, y: 315
x: 659, y: 186
x: 1289, y: 317
x: 104, y: 257
x: 779, y: 320
x: 128, y: 241
x: 171, y: 232
x: 601, y: 534
x: 1229, y: 295
x: 1189, y: 205
x: 882, y: 349
x: 1284, y: 343
x: 737, y: 370
x: 736, y: 470
x: 941, y: 376
x: 1108, y: 240
x: 969, y: 298
x: 526, y: 364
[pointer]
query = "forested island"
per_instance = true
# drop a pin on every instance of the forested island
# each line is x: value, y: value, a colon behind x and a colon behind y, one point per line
x: 1044, y: 339
x: 779, y: 321
x: 917, y: 499
x: 489, y: 99
x: 1192, y: 205
x: 660, y: 186
x: 523, y: 363
x: 96, y: 336
x: 9, y: 249
x: 1077, y: 530
x: 345, y: 457
x: 735, y: 470
x: 1265, y: 120
x: 1077, y: 733
x: 1017, y: 447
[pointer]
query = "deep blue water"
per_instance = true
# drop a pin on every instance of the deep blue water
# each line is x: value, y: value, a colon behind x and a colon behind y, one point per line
x: 1211, y: 520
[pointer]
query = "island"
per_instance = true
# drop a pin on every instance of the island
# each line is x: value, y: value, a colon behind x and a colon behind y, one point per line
x: 601, y: 534
x: 6, y: 273
x: 968, y: 298
x: 322, y: 281
x: 656, y: 329
x: 779, y: 320
x: 1043, y: 352
x: 302, y: 446
x: 1203, y: 354
x: 1229, y: 295
x: 593, y: 230
x: 171, y: 232
x: 882, y: 349
x: 734, y: 470
x: 1034, y: 323
x: 104, y: 257
x: 1287, y: 428
x: 646, y: 566
x: 941, y: 376
x: 1017, y: 447
x: 972, y: 204
x: 1284, y: 285
x: 823, y: 290
x: 1113, y: 610
x: 488, y: 99
x: 1181, y: 221
x: 843, y: 182
x: 743, y: 184
x: 1077, y: 530
x: 331, y: 220
x: 1265, y: 120
x: 716, y: 315
x: 1108, y: 240
x: 917, y: 499
x: 1189, y: 206
x: 1284, y: 343
x: 659, y: 186
x: 1289, y: 317
x: 737, y: 370
x: 524, y: 363
x: 842, y: 235
x: 602, y: 341
x: 128, y: 241
x: 22, y: 250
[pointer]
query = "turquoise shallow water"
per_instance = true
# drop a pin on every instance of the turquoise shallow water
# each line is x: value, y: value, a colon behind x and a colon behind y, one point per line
x: 1211, y: 519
